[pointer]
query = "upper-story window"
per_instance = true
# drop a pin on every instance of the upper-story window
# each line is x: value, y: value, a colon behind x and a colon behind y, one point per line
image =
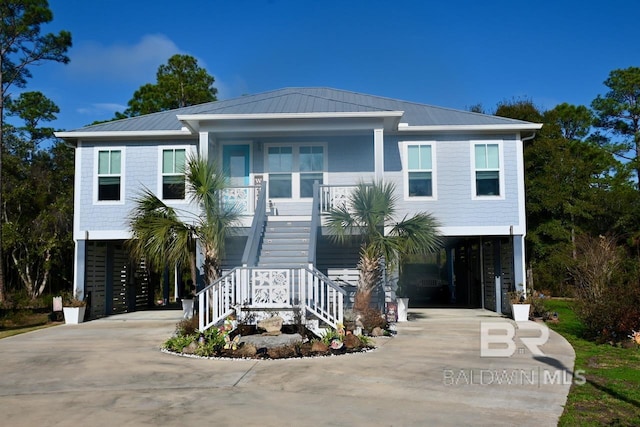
x: 488, y: 179
x: 280, y: 163
x: 311, y: 169
x: 420, y: 170
x: 293, y: 170
x: 109, y: 176
x: 173, y: 180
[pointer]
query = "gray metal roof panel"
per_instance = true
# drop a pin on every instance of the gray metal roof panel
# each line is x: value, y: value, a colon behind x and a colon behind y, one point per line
x: 306, y: 100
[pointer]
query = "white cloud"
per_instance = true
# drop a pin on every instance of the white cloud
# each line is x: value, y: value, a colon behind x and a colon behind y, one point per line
x: 100, y: 108
x: 135, y: 63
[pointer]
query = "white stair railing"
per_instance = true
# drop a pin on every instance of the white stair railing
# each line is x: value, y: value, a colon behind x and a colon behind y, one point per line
x: 246, y: 288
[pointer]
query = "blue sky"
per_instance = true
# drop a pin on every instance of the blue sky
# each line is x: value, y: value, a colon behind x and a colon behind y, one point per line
x: 447, y: 53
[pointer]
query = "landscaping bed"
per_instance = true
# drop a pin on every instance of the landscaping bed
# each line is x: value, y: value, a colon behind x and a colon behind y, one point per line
x: 611, y: 394
x: 249, y: 342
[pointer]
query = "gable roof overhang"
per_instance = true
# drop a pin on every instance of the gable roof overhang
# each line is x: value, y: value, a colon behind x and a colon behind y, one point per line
x: 311, y: 110
x: 287, y: 122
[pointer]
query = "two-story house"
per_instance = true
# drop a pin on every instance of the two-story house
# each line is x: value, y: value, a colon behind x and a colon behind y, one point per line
x: 465, y: 168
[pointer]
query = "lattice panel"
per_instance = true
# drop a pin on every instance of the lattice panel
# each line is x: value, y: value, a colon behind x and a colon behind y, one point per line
x: 270, y: 287
x: 236, y: 199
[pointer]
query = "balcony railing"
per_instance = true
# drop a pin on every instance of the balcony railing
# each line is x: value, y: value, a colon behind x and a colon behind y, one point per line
x: 242, y: 200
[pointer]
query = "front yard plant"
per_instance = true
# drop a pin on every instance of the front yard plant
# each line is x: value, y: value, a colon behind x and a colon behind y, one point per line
x: 611, y: 394
x: 225, y: 342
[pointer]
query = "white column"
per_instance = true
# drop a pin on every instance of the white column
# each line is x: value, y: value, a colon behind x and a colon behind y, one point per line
x: 203, y: 144
x: 378, y: 153
x: 519, y: 267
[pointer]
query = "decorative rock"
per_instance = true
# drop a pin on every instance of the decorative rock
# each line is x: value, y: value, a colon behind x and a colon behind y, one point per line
x: 272, y: 325
x: 352, y: 341
x: 191, y: 348
x: 377, y: 332
x: 247, y: 350
x: 319, y: 347
x: 268, y: 341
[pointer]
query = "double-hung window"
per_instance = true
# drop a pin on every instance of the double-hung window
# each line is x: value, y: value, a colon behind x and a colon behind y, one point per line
x: 109, y: 176
x: 173, y: 180
x: 487, y: 170
x: 419, y: 170
x: 311, y: 167
x: 280, y: 163
x: 293, y: 169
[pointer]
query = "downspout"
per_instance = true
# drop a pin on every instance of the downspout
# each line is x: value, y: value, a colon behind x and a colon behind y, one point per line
x: 528, y: 138
x: 524, y: 286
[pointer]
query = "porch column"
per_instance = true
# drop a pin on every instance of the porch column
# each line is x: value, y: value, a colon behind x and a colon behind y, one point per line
x: 203, y: 144
x: 519, y: 267
x: 79, y: 268
x: 378, y: 153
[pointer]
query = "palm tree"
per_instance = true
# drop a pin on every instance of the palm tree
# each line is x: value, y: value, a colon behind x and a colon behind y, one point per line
x: 370, y: 209
x: 162, y: 234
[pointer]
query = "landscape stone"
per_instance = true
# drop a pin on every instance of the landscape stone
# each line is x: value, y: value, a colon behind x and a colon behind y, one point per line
x: 272, y: 325
x: 271, y: 341
x: 191, y: 348
x: 377, y: 332
x: 352, y: 341
x: 319, y: 347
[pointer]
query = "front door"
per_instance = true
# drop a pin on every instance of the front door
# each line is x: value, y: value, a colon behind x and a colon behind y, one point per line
x: 235, y: 163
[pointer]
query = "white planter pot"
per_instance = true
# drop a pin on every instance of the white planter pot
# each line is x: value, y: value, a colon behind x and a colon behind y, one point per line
x: 520, y: 312
x: 403, y: 307
x: 73, y: 315
x: 187, y: 308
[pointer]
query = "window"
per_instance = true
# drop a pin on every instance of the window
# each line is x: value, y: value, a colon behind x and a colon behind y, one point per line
x: 420, y: 170
x: 293, y: 170
x: 109, y: 175
x: 280, y: 163
x: 487, y: 169
x: 311, y: 167
x: 173, y: 181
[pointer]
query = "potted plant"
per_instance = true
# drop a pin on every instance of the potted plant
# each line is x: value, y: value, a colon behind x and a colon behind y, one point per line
x: 73, y: 308
x: 187, y: 300
x: 520, y: 305
x: 402, y: 299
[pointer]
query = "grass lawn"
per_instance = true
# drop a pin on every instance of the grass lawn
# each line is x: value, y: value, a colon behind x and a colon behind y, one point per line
x: 24, y: 321
x: 611, y: 394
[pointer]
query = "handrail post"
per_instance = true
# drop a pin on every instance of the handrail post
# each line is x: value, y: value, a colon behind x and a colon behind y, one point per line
x: 315, y: 223
x: 251, y: 249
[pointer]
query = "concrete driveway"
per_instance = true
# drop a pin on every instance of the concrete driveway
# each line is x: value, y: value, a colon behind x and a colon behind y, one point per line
x: 110, y: 372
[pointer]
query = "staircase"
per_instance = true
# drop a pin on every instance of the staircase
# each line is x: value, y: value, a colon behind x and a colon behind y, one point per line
x: 285, y: 244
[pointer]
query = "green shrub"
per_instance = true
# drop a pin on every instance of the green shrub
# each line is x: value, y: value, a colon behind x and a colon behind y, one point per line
x: 179, y: 342
x: 187, y: 326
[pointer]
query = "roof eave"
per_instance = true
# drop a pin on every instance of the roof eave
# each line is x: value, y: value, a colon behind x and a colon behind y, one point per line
x: 516, y: 127
x: 123, y: 134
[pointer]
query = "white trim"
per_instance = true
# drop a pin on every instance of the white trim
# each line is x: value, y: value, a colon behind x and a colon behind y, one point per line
x: 122, y: 134
x: 479, y: 230
x: 378, y: 153
x: 123, y: 168
x: 522, y: 214
x: 403, y: 127
x: 188, y: 150
x: 295, y: 172
x: 501, y: 169
x: 404, y: 159
x: 88, y: 235
x: 271, y: 116
x: 80, y: 151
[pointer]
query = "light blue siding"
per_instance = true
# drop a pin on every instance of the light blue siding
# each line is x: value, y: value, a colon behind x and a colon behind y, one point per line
x: 140, y: 169
x: 349, y: 161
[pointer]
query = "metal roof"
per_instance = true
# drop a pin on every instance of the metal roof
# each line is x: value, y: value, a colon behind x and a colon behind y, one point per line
x: 306, y: 100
